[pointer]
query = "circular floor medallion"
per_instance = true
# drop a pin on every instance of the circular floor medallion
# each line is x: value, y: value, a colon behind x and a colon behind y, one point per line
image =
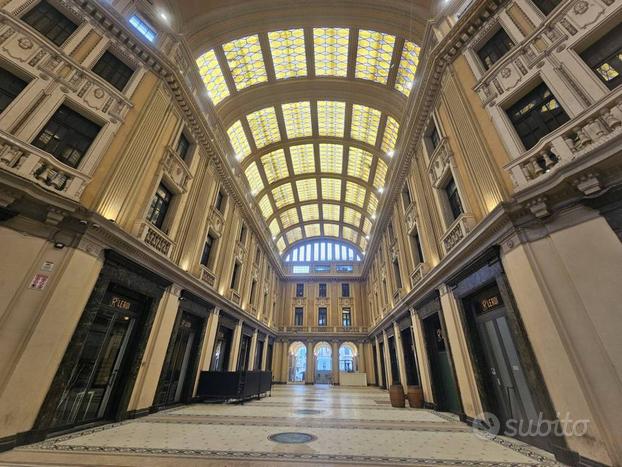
x: 308, y: 412
x: 292, y: 438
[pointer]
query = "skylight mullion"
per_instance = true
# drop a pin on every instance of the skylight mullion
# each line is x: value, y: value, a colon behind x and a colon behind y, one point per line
x: 267, y: 56
x: 309, y: 52
x: 352, y: 47
x: 395, y: 60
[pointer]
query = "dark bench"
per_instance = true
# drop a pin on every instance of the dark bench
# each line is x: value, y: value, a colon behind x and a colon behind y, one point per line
x: 223, y: 386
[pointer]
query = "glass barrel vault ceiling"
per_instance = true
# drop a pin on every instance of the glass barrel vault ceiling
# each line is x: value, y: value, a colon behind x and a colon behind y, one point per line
x: 316, y: 167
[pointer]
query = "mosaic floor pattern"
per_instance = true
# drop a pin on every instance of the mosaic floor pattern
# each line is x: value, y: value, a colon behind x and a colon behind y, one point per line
x: 297, y: 425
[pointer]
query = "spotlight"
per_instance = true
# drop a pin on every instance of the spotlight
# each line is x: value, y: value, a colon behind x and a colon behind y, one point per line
x: 59, y: 245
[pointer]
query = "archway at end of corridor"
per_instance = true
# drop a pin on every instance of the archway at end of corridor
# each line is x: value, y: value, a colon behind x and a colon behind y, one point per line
x: 297, y: 366
x: 348, y: 358
x: 323, y: 363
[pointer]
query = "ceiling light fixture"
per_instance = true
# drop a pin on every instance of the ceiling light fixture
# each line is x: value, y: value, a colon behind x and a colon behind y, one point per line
x: 381, y: 190
x: 391, y: 153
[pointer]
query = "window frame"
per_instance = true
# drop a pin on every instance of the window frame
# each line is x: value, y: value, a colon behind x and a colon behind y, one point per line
x: 322, y: 316
x: 322, y: 290
x: 10, y: 94
x: 343, y: 317
x: 299, y: 313
x: 600, y: 58
x: 496, y: 46
x: 300, y: 289
x: 143, y: 23
x: 109, y: 55
x: 345, y: 289
x: 208, y: 262
x: 162, y: 215
x: 61, y: 17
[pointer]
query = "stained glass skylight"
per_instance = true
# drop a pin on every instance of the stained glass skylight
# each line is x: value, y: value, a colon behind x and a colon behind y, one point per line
x: 238, y: 140
x: 307, y: 189
x: 275, y: 166
x: 245, y: 61
x: 254, y: 179
x: 390, y: 136
x: 331, y: 158
x: 373, y: 56
x: 283, y: 195
x: 331, y: 230
x: 331, y: 118
x: 332, y: 212
x: 297, y: 116
x: 212, y: 77
x: 372, y: 204
x: 288, y: 53
x: 350, y: 234
x: 351, y: 216
x: 264, y: 127
x: 381, y: 174
x: 289, y: 218
x: 330, y: 46
x: 355, y: 193
x: 331, y: 189
x: 274, y: 227
x: 312, y: 230
x: 366, y: 226
x: 265, y: 206
x: 365, y: 122
x: 408, y: 67
x: 310, y: 212
x: 302, y: 158
x: 280, y: 244
x: 359, y: 163
x: 294, y: 235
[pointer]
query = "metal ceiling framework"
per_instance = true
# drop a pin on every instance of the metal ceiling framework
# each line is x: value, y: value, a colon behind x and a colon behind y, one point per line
x: 313, y: 116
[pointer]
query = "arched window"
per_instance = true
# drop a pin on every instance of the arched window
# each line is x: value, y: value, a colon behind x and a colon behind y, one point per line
x: 321, y: 250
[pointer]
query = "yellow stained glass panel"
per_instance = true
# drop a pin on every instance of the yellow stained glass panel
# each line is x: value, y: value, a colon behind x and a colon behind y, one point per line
x: 381, y: 174
x: 355, y: 193
x: 372, y: 205
x: 365, y: 122
x: 389, y: 139
x: 331, y: 158
x: 238, y: 140
x: 330, y: 47
x: 245, y: 61
x: 254, y: 179
x: 408, y: 67
x: 373, y: 56
x: 366, y: 226
x: 212, y: 77
x: 303, y: 160
x: 283, y: 195
x: 274, y: 165
x: 289, y: 218
x: 280, y: 244
x: 294, y: 235
x: 288, y: 53
x: 274, y: 227
x: 331, y: 230
x: 264, y: 127
x: 307, y: 189
x: 332, y: 212
x: 359, y: 163
x: 312, y: 230
x: 350, y: 234
x: 363, y: 243
x: 330, y: 118
x: 265, y: 206
x: 351, y: 216
x: 331, y: 189
x: 310, y: 212
x: 297, y: 116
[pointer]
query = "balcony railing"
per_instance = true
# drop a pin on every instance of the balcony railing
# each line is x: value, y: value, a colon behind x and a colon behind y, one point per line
x: 320, y: 329
x: 40, y: 167
x: 155, y: 238
x: 581, y: 137
x: 456, y: 232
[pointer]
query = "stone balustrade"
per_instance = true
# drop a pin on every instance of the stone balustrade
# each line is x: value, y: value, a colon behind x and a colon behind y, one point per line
x: 40, y: 167
x: 579, y: 138
x: 155, y: 238
x: 322, y: 329
x: 456, y: 232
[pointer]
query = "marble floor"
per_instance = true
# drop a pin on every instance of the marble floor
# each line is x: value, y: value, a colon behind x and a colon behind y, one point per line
x: 331, y: 425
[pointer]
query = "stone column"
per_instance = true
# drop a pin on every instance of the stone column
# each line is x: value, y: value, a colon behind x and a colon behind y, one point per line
x: 284, y: 361
x: 235, y: 347
x: 378, y: 362
x: 360, y: 358
x: 461, y: 356
x: 264, y: 354
x: 251, y: 358
x: 422, y: 357
x: 335, y: 361
x: 387, y: 359
x: 310, y: 373
x: 401, y: 362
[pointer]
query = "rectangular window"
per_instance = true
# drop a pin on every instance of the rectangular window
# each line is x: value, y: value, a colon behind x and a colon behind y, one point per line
x: 415, y: 243
x: 546, y: 6
x: 321, y: 268
x: 50, y: 22
x: 159, y: 206
x: 301, y: 269
x: 113, y: 70
x: 604, y: 57
x: 453, y: 199
x: 67, y: 136
x: 391, y: 232
x: 346, y: 317
x: 300, y: 290
x: 298, y: 316
x: 536, y: 115
x: 253, y: 292
x: 235, y: 277
x: 434, y: 137
x: 242, y: 237
x: 142, y: 27
x: 257, y: 255
x: 207, y: 251
x: 344, y: 268
x: 397, y: 273
x: 220, y: 202
x: 406, y: 198
x: 183, y: 147
x: 322, y: 317
x: 495, y: 48
x: 322, y: 290
x: 10, y: 87
x: 345, y: 289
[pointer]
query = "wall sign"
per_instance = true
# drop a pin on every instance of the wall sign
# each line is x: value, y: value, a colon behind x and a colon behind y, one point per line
x: 39, y: 281
x: 491, y: 302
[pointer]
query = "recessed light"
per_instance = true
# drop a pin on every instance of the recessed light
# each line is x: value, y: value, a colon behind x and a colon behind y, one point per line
x: 391, y: 153
x: 381, y: 190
